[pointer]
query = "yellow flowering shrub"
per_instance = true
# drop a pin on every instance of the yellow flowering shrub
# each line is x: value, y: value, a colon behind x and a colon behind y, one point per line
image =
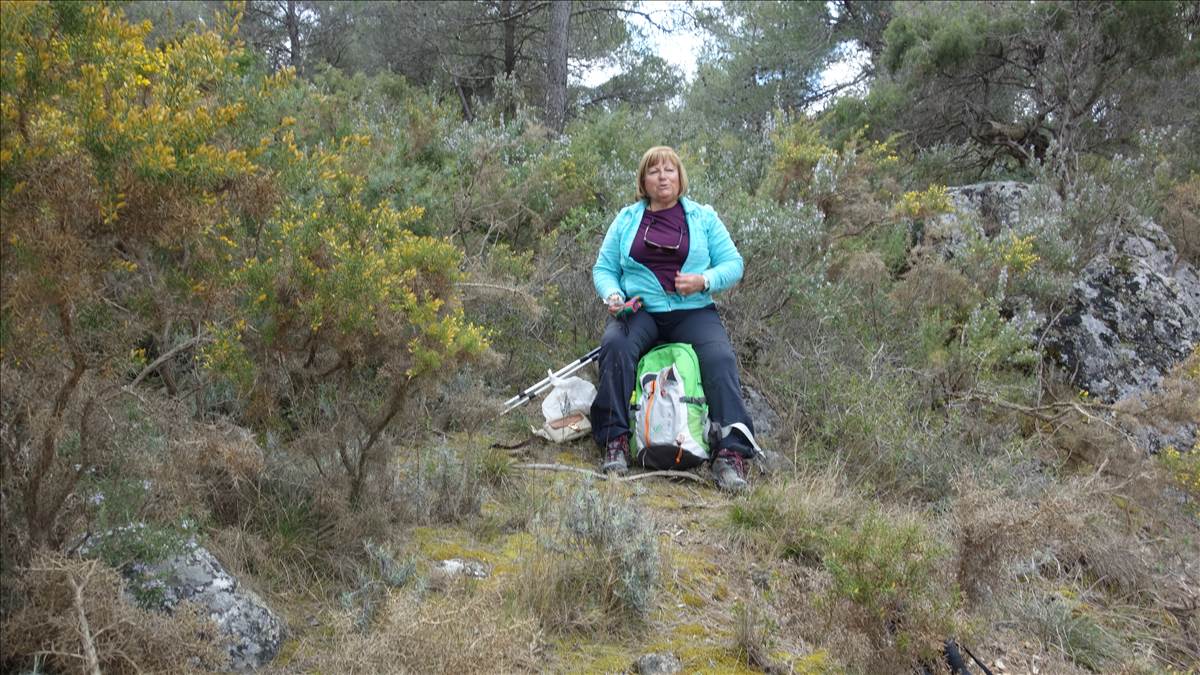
x: 159, y: 198
x: 930, y: 202
x: 853, y: 185
x: 799, y: 147
x: 114, y: 158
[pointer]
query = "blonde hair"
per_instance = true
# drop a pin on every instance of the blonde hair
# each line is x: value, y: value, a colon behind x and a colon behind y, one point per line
x: 653, y: 157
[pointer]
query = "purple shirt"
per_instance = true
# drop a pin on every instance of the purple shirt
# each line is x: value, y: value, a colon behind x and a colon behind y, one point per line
x: 661, y: 244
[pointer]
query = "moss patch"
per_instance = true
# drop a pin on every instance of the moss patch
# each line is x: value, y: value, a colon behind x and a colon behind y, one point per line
x: 443, y: 544
x: 593, y: 658
x: 573, y: 459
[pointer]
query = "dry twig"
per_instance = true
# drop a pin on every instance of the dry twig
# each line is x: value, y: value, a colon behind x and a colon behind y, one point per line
x: 619, y: 479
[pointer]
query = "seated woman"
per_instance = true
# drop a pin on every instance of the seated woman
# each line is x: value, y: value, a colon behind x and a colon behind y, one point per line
x: 675, y: 254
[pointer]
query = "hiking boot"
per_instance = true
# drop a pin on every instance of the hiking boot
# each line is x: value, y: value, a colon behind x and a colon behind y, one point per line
x: 616, y: 456
x: 729, y: 471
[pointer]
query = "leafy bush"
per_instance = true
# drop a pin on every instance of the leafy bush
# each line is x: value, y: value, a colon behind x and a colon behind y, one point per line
x: 889, y: 575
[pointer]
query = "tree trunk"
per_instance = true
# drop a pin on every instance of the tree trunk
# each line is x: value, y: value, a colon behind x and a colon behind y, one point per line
x: 556, y: 65
x: 510, y: 37
x: 293, y: 29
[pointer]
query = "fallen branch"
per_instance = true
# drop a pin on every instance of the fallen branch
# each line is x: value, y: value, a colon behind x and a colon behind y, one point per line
x: 1061, y: 408
x: 85, y: 632
x: 164, y: 358
x: 89, y: 656
x: 601, y: 476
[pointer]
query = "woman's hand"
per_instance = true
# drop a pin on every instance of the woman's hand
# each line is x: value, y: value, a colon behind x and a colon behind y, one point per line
x: 686, y: 284
x: 615, y: 302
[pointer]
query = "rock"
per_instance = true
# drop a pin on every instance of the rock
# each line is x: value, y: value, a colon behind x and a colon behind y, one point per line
x: 998, y: 203
x: 766, y: 420
x: 769, y: 462
x: 459, y: 567
x: 255, y: 632
x: 1133, y: 315
x: 1154, y: 440
x: 983, y: 210
x: 658, y: 664
x: 761, y: 579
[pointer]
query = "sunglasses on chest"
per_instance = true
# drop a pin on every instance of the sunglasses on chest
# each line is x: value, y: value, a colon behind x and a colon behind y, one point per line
x: 650, y: 223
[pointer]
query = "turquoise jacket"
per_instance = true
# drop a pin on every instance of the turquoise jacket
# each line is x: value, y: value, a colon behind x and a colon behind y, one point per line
x: 710, y: 252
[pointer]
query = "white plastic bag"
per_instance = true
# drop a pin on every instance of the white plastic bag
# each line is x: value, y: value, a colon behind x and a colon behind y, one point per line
x: 566, y: 409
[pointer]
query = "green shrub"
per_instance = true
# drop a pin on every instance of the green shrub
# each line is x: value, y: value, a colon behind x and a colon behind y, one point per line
x: 1183, y: 470
x: 890, y: 577
x: 894, y: 571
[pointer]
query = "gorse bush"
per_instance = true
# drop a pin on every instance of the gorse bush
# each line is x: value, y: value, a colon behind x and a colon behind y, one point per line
x: 894, y: 571
x: 197, y: 224
x: 141, y: 143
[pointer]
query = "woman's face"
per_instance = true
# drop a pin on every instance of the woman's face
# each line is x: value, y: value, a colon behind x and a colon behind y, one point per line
x: 661, y: 183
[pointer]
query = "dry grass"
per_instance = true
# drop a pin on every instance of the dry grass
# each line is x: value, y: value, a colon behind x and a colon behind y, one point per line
x: 75, y: 620
x: 465, y: 629
x: 1181, y: 219
x: 993, y: 529
x: 931, y: 284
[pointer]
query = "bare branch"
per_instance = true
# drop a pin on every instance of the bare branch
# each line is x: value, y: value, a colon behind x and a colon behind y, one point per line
x: 186, y: 344
x: 603, y: 476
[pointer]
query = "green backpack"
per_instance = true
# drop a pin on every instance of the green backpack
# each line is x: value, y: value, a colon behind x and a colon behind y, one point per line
x: 670, y: 414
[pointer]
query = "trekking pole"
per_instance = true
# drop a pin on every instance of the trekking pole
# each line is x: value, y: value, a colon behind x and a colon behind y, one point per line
x: 566, y: 371
x: 627, y: 309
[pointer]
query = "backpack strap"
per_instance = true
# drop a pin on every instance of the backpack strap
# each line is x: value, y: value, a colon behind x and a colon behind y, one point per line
x: 745, y: 431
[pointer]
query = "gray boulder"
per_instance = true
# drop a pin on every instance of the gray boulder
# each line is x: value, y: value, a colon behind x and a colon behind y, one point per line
x: 983, y: 210
x: 1156, y: 437
x: 997, y: 203
x: 253, y: 631
x: 1133, y: 315
x: 765, y: 419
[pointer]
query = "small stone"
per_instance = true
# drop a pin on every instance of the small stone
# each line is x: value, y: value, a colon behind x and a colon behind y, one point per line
x: 460, y: 567
x: 658, y: 664
x: 999, y: 665
x: 761, y: 579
